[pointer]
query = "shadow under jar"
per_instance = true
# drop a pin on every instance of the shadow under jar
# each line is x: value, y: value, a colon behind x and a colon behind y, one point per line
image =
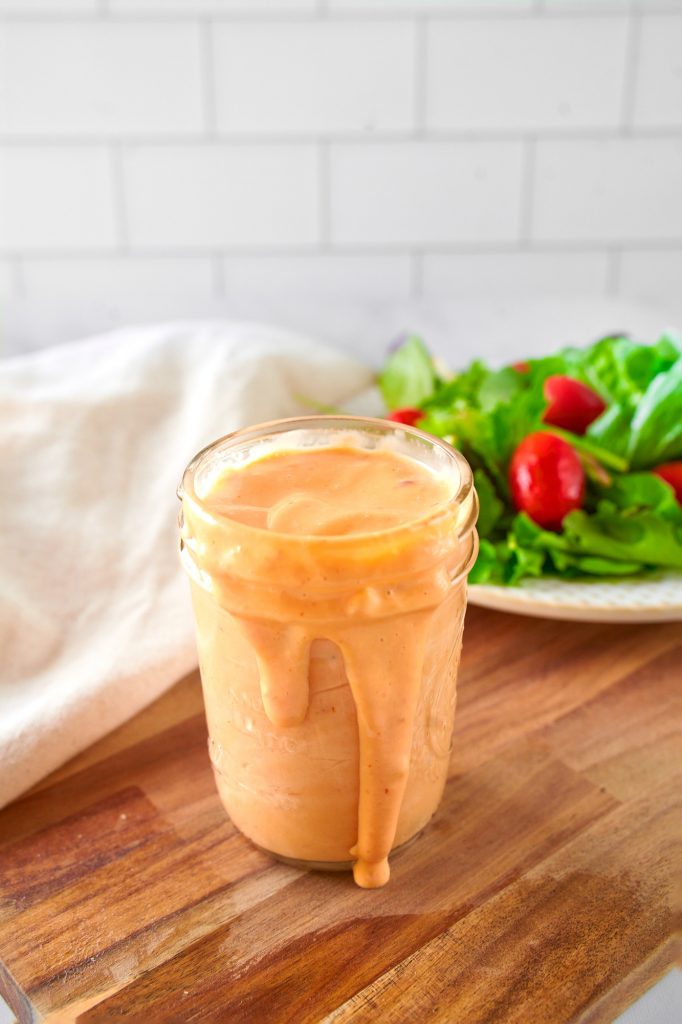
x: 329, y: 616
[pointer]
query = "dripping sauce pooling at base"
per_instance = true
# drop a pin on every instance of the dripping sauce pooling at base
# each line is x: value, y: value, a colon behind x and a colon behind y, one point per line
x: 393, y: 549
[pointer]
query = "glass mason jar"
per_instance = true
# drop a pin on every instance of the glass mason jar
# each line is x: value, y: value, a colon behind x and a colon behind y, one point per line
x: 329, y: 663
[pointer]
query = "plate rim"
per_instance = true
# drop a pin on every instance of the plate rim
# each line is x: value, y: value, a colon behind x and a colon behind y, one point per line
x: 523, y: 600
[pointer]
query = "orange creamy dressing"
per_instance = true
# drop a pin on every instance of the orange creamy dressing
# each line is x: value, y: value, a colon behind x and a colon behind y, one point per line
x: 328, y: 492
x: 373, y: 598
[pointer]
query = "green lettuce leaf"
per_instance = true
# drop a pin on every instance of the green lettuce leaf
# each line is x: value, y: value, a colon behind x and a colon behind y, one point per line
x: 573, y: 566
x: 408, y: 377
x: 634, y: 538
x: 611, y: 431
x: 656, y: 426
x: 488, y: 433
x: 491, y: 509
x: 487, y: 568
x: 506, y: 562
x: 640, y: 536
x: 644, y: 490
x: 631, y: 522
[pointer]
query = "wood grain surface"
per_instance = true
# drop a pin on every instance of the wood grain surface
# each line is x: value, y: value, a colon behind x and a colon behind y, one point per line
x: 543, y: 890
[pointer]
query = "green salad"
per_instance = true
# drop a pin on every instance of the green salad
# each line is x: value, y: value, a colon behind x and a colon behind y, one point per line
x: 577, y: 456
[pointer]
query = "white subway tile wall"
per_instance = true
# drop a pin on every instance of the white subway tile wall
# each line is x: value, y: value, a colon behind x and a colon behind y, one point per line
x: 318, y: 78
x: 6, y: 281
x: 144, y: 285
x: 513, y: 273
x: 425, y: 192
x: 615, y: 190
x: 354, y: 276
x: 525, y: 76
x: 160, y: 158
x: 100, y: 79
x: 652, y: 275
x: 49, y: 6
x: 56, y: 198
x: 430, y: 6
x: 581, y: 6
x: 212, y: 195
x: 658, y: 102
x: 194, y: 7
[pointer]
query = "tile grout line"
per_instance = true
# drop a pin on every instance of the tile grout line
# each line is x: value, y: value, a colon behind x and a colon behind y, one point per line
x: 219, y: 276
x: 665, y: 133
x: 17, y: 277
x: 189, y: 251
x: 359, y: 15
x: 629, y: 96
x: 416, y: 273
x: 527, y: 191
x: 420, y: 77
x: 119, y: 199
x: 324, y: 195
x: 613, y: 271
x: 17, y: 291
x: 670, y: 133
x: 208, y: 83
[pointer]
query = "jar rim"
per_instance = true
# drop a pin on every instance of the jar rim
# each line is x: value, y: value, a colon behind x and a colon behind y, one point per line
x: 187, y: 491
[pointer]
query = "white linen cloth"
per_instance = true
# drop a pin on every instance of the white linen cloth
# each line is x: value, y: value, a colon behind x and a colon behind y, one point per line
x: 95, y: 620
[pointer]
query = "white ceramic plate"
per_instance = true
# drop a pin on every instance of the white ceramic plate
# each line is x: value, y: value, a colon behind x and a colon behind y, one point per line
x: 656, y: 599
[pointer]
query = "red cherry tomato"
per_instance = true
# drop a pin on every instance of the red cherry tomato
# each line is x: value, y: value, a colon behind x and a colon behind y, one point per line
x: 522, y: 367
x: 671, y: 472
x: 407, y: 415
x: 572, y: 405
x: 546, y: 479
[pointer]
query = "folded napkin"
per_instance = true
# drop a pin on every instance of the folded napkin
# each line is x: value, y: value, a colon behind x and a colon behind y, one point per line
x: 95, y: 620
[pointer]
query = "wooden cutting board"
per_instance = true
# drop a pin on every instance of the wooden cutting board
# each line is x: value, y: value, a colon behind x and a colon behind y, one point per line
x: 540, y: 893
